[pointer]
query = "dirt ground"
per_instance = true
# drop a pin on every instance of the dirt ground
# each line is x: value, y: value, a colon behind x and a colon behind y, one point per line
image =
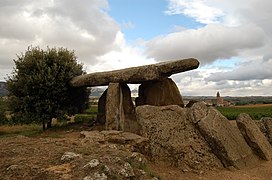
x: 40, y: 157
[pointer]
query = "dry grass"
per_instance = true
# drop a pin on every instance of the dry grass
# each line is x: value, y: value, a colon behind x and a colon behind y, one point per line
x: 26, y: 130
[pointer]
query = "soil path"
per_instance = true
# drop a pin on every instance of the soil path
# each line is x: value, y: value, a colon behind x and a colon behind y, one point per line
x: 39, y: 158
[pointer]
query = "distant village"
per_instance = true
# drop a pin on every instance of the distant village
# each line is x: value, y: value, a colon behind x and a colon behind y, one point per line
x: 217, y: 101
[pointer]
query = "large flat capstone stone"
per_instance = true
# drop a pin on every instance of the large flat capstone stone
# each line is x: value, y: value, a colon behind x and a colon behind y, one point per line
x: 225, y: 140
x: 254, y: 137
x: 136, y: 75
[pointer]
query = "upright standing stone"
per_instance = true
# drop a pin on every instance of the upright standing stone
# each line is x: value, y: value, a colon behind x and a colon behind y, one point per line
x: 116, y: 109
x: 159, y: 93
x: 130, y: 122
x: 254, y: 137
x: 113, y: 107
x: 225, y: 140
x: 101, y: 114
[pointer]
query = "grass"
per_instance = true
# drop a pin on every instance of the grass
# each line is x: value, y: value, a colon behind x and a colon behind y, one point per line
x: 256, y: 112
x: 25, y: 130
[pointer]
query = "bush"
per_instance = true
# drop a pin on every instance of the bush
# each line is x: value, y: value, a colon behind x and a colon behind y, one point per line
x: 84, y: 118
x: 39, y: 87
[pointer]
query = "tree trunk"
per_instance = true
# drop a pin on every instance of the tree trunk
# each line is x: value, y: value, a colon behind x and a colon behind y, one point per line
x: 43, y: 125
x: 49, y: 124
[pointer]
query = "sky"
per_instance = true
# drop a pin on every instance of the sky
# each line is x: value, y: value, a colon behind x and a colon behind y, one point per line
x: 231, y: 39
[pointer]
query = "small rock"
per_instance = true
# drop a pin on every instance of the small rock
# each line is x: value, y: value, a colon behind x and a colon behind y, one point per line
x: 93, y: 136
x: 127, y: 171
x: 138, y: 157
x: 96, y: 176
x: 12, y: 167
x: 93, y: 163
x: 68, y: 156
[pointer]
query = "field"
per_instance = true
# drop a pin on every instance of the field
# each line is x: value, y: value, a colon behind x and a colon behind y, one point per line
x: 256, y: 111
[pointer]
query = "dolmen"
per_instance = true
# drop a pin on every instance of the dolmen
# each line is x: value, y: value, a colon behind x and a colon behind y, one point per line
x: 115, y: 106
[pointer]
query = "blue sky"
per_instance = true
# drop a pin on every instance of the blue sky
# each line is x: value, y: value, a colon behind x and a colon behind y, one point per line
x: 146, y: 19
x: 231, y: 39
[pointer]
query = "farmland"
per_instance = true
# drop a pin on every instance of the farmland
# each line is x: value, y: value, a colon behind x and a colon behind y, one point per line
x: 256, y: 111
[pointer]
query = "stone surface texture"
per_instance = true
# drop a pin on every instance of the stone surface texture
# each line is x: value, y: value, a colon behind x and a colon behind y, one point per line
x: 174, y: 139
x: 225, y: 140
x: 113, y: 107
x: 265, y: 125
x: 254, y: 137
x: 159, y: 93
x: 136, y: 74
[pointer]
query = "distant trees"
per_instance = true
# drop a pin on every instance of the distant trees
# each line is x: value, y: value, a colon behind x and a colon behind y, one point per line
x: 39, y: 86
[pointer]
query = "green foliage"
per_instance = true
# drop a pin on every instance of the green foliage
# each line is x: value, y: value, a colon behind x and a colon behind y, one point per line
x: 39, y: 87
x: 3, y: 109
x: 87, y: 118
x: 92, y: 110
x: 255, y: 112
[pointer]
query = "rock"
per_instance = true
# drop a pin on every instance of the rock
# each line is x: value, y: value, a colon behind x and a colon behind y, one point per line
x: 225, y: 140
x: 119, y: 110
x: 113, y: 107
x: 265, y: 125
x: 93, y: 136
x: 93, y: 163
x: 191, y: 103
x: 135, y: 75
x: 174, y: 139
x: 159, y: 93
x: 12, y: 167
x: 127, y: 171
x: 96, y: 176
x: 101, y: 113
x: 254, y: 137
x: 120, y: 137
x: 130, y: 122
x: 68, y: 156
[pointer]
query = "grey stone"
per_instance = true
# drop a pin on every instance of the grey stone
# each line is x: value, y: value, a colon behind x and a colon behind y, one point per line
x: 96, y: 176
x: 174, y: 138
x: 101, y: 114
x: 127, y: 171
x: 225, y: 140
x: 136, y: 74
x: 254, y: 137
x: 265, y: 125
x: 93, y: 163
x: 93, y: 136
x: 159, y: 93
x: 129, y: 120
x: 120, y: 137
x: 113, y: 107
x: 68, y: 156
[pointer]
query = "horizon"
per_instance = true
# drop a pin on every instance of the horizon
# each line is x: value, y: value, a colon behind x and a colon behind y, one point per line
x: 233, y: 42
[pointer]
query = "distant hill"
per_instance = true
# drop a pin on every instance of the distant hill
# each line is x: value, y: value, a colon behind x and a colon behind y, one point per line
x: 3, y: 89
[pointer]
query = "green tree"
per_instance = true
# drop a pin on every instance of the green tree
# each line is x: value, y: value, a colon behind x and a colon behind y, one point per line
x: 39, y: 86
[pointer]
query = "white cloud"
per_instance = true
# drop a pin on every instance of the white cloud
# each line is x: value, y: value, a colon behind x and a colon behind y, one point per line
x: 83, y: 26
x: 208, y: 44
x: 196, y: 9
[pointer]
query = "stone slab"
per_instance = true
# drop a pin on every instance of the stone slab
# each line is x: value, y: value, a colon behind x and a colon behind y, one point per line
x: 225, y: 140
x: 254, y: 137
x: 135, y: 75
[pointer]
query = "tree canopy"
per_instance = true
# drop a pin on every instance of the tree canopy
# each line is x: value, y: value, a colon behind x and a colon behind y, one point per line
x: 39, y: 86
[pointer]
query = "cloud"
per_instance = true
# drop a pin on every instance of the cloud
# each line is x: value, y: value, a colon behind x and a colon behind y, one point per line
x: 251, y: 70
x: 84, y: 27
x: 196, y: 9
x: 208, y: 44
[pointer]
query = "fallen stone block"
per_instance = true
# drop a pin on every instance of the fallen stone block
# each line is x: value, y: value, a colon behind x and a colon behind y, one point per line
x: 254, y: 137
x: 225, y: 140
